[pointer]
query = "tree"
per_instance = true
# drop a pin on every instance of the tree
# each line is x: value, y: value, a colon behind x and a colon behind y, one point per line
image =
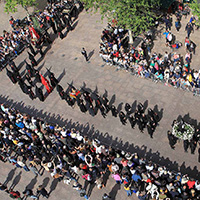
x: 136, y: 15
x: 195, y: 6
x: 11, y: 5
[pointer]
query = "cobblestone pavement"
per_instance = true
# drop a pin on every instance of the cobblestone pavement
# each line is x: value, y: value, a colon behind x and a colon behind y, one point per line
x: 65, y: 60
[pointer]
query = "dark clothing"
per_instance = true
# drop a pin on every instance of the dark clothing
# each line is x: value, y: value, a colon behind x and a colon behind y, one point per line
x: 70, y: 101
x: 128, y: 108
x: 53, y: 80
x: 28, y: 78
x: 39, y: 93
x: 61, y: 91
x: 172, y: 140
x: 189, y: 29
x: 122, y: 118
x: 31, y: 49
x: 82, y: 107
x: 43, y: 192
x: 114, y: 111
x: 199, y: 155
x: 32, y: 59
x: 30, y: 69
x: 186, y: 145
x: 12, y: 76
x: 13, y: 66
x: 37, y: 77
x: 84, y: 54
x: 30, y: 93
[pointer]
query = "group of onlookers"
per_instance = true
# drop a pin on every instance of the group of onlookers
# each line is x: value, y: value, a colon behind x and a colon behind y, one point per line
x: 169, y: 68
x: 68, y: 155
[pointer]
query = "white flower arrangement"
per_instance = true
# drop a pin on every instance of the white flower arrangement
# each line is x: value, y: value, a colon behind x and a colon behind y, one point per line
x: 187, y: 134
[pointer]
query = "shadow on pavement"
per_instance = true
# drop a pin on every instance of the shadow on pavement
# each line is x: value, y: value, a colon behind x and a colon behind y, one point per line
x: 53, y: 185
x: 15, y: 181
x: 10, y: 176
x: 32, y: 183
x: 105, y: 138
x: 113, y: 192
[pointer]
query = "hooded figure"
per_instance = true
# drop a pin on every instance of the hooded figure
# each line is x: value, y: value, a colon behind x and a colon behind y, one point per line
x: 39, y: 93
x: 30, y: 69
x: 61, y: 91
x: 32, y: 59
x: 37, y: 77
x: 23, y: 86
x: 30, y: 93
x: 52, y: 78
x: 12, y: 76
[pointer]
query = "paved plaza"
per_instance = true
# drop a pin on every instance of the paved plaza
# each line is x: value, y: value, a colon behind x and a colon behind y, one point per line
x: 67, y: 63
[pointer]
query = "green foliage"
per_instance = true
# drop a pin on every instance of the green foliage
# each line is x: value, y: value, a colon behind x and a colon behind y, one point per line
x: 195, y: 6
x: 137, y: 15
x: 11, y: 5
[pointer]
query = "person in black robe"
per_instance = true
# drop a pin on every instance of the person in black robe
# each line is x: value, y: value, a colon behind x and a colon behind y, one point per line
x: 82, y: 106
x: 31, y: 49
x: 172, y: 139
x: 39, y: 93
x: 28, y: 78
x: 12, y: 76
x: 193, y: 145
x: 114, y: 111
x: 122, y: 118
x: 140, y: 108
x: 13, y: 66
x: 70, y: 101
x: 137, y: 115
x: 32, y: 59
x: 30, y: 69
x: 87, y: 98
x: 52, y: 78
x: 37, y: 77
x: 92, y: 110
x: 128, y: 108
x: 143, y: 120
x: 151, y: 126
x: 39, y: 48
x: 98, y: 105
x: 23, y: 86
x: 53, y: 26
x: 153, y: 114
x: 30, y: 93
x: 105, y: 103
x: 59, y: 29
x: 132, y: 121
x: 186, y: 145
x: 61, y: 91
x: 139, y: 122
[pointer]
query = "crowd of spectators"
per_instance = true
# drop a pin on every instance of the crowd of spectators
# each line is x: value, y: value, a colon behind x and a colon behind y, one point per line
x: 169, y: 68
x: 33, y: 29
x: 30, y: 143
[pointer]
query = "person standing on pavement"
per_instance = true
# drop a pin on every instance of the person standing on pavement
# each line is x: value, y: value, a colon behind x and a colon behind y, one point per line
x: 32, y: 59
x: 83, y: 51
x: 41, y: 190
x: 29, y: 193
x: 189, y: 29
x: 34, y: 169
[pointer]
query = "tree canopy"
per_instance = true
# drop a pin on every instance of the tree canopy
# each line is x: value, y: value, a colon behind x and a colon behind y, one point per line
x: 136, y: 15
x: 11, y: 5
x: 195, y: 6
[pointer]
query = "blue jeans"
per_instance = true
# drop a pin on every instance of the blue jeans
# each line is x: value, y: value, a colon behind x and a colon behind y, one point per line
x: 86, y: 197
x: 129, y: 193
